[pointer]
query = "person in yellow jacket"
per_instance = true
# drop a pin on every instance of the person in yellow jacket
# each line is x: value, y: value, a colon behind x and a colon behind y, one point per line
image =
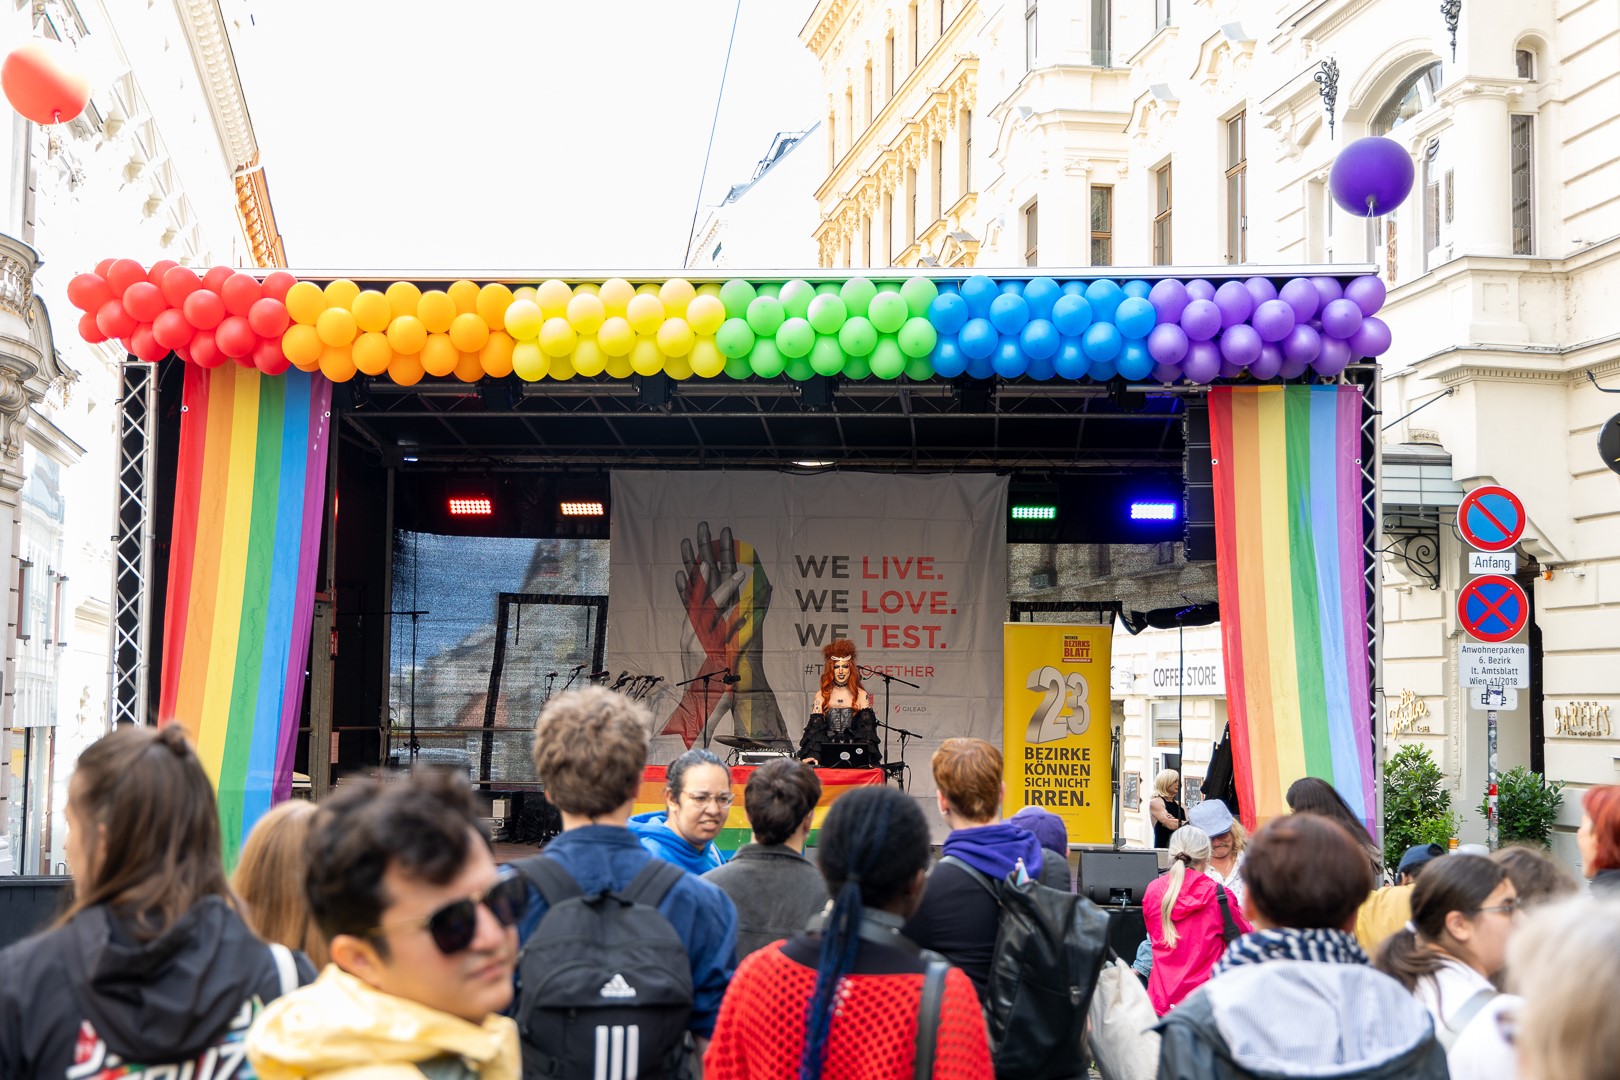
x: 420, y: 923
x: 1390, y: 908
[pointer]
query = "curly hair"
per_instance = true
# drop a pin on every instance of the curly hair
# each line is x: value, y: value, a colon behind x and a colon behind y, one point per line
x: 590, y: 747
x: 840, y: 648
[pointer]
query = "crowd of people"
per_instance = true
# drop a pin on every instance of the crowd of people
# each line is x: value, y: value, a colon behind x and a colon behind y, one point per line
x: 376, y: 936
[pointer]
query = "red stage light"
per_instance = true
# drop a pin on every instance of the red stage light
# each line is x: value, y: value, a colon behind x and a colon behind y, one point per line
x: 471, y: 506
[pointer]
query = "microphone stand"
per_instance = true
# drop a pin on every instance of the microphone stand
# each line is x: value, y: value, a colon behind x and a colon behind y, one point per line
x: 572, y: 675
x: 904, y: 772
x: 887, y: 679
x: 724, y: 676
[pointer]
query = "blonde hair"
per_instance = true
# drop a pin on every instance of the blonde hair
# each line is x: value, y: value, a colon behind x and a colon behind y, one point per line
x: 1164, y: 784
x: 1561, y: 961
x: 1189, y: 850
x: 270, y: 880
x: 1240, y: 837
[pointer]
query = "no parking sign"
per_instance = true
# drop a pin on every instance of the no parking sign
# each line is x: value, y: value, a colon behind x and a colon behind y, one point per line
x: 1491, y: 518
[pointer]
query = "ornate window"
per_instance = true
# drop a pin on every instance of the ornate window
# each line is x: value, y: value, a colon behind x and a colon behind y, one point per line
x: 1102, y: 225
x: 1415, y: 93
x: 1161, y: 215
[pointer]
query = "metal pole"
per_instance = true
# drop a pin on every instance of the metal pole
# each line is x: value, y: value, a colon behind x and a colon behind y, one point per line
x: 1490, y: 772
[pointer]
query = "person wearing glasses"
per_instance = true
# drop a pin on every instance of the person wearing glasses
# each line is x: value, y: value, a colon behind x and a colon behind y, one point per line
x: 697, y: 789
x: 420, y: 925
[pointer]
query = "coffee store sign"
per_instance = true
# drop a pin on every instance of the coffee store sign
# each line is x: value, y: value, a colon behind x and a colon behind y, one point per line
x: 1200, y: 674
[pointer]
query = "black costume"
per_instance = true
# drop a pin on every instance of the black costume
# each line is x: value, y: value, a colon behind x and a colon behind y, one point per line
x: 843, y: 725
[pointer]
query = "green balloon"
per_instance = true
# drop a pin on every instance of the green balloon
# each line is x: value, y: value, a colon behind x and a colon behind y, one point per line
x: 919, y: 369
x: 826, y: 357
x: 857, y: 293
x: 827, y: 313
x: 799, y: 369
x: 737, y: 294
x: 795, y: 338
x: 765, y: 315
x: 826, y: 288
x: 766, y: 359
x: 916, y: 337
x: 734, y: 338
x: 918, y: 293
x: 857, y: 336
x: 887, y: 359
x: 857, y: 367
x: 796, y: 297
x: 888, y: 312
x: 770, y: 288
x: 738, y: 367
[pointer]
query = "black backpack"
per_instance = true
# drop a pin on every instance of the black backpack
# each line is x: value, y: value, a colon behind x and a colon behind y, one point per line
x: 1050, y: 949
x: 606, y: 982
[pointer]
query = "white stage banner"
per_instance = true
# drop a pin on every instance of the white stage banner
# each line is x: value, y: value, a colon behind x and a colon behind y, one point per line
x: 754, y: 572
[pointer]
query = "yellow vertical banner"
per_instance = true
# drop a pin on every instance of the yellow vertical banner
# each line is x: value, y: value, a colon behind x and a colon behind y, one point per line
x: 1055, y: 724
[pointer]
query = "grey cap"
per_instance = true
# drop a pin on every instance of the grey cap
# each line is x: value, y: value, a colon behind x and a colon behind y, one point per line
x: 1212, y: 816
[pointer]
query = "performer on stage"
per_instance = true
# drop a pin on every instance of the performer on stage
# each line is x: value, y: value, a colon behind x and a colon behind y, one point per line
x: 841, y: 713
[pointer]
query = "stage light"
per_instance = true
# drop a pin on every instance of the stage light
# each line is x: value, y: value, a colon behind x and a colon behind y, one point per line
x: 583, y: 508
x: 1154, y: 511
x: 813, y: 463
x: 471, y: 506
x: 1034, y: 512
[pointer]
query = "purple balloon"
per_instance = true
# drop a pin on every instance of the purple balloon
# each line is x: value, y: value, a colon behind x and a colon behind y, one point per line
x: 1301, y: 346
x: 1169, y: 298
x: 1371, y: 176
x: 1327, y: 289
x: 1199, y: 289
x: 1367, y: 292
x: 1341, y: 318
x: 1167, y: 344
x: 1201, y: 320
x: 1203, y: 363
x: 1274, y: 320
x: 1235, y: 303
x: 1166, y: 373
x: 1240, y: 345
x: 1292, y: 369
x: 1302, y: 296
x: 1372, y: 338
x: 1230, y: 370
x: 1261, y: 289
x: 1268, y: 363
x: 1335, y: 357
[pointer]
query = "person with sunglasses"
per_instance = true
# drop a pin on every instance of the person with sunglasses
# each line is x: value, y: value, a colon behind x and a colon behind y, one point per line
x: 420, y: 925
x: 697, y: 788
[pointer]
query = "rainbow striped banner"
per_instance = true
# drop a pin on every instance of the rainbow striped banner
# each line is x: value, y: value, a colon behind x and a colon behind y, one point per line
x: 734, y: 834
x: 249, y: 491
x: 1289, y: 563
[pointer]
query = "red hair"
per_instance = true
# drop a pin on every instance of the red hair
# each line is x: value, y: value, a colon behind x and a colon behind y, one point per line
x: 839, y: 647
x: 1602, y: 805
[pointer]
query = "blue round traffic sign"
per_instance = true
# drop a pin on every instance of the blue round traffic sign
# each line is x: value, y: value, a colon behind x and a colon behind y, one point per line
x: 1491, y: 518
x: 1492, y: 608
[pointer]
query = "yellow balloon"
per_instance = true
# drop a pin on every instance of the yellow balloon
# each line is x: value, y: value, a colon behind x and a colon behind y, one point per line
x: 469, y: 332
x: 469, y: 369
x: 705, y: 314
x: 305, y: 302
x: 615, y: 294
x: 407, y: 335
x: 616, y: 337
x: 618, y: 367
x: 557, y: 338
x: 402, y: 299
x: 464, y: 294
x: 336, y: 327
x: 523, y: 320
x: 646, y: 288
x: 372, y: 314
x: 675, y: 337
x: 706, y: 358
x: 561, y: 368
x: 586, y: 313
x: 437, y: 311
x: 528, y: 361
x: 439, y: 355
x: 526, y: 292
x: 341, y: 293
x: 302, y: 346
x: 497, y: 355
x: 676, y: 293
x: 553, y: 297
x: 406, y: 370
x: 589, y: 359
x: 493, y: 300
x: 709, y: 288
x: 645, y: 359
x: 372, y: 353
x: 678, y: 368
x: 587, y: 287
x: 645, y: 313
x: 337, y: 365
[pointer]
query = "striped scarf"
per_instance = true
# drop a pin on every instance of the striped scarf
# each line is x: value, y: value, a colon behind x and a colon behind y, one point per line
x: 1316, y: 946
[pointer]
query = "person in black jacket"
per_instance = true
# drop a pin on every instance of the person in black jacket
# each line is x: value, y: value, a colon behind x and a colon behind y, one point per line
x: 152, y: 968
x: 841, y: 713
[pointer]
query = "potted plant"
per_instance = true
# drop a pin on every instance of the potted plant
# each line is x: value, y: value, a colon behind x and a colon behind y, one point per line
x: 1526, y: 807
x: 1417, y: 804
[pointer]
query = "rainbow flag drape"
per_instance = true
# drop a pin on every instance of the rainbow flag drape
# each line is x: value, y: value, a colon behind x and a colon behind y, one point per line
x: 734, y: 834
x: 1293, y: 598
x: 249, y: 493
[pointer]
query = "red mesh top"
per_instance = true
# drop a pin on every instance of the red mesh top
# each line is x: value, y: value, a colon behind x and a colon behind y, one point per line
x: 874, y: 1029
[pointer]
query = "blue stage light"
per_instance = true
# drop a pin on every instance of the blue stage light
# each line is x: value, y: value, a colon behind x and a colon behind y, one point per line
x: 1154, y: 511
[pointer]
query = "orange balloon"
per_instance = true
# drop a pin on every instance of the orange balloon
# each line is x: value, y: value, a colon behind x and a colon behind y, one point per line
x: 336, y: 327
x: 406, y: 370
x: 338, y: 364
x: 464, y: 294
x: 403, y: 298
x: 302, y: 346
x: 439, y: 355
x: 406, y: 334
x: 437, y: 311
x: 371, y: 311
x: 493, y: 300
x: 469, y: 368
x: 469, y: 332
x: 497, y: 355
x: 341, y: 293
x: 372, y: 353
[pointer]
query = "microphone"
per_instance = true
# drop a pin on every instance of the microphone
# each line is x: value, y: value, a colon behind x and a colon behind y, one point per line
x: 730, y: 679
x: 551, y: 674
x: 598, y: 674
x: 653, y: 679
x: 624, y: 677
x: 578, y: 668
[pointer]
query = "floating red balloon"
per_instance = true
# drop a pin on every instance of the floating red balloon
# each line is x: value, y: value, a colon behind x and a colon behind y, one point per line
x: 122, y: 274
x: 240, y: 292
x: 144, y: 301
x: 171, y: 329
x: 204, y: 309
x: 268, y: 318
x: 114, y: 321
x: 41, y: 82
x: 276, y: 284
x: 88, y: 292
x: 235, y: 337
x: 89, y: 331
x: 179, y: 283
x: 268, y: 357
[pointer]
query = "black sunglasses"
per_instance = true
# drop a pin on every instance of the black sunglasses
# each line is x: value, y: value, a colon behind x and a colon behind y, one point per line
x: 456, y: 924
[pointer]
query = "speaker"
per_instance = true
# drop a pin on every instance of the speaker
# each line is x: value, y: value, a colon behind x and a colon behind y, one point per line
x: 1118, y: 878
x: 1198, y: 517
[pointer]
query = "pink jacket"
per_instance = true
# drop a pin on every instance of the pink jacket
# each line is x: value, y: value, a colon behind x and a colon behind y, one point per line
x: 1183, y: 968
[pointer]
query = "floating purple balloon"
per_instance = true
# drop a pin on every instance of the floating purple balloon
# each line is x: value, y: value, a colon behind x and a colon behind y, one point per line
x: 1371, y: 176
x: 1335, y: 357
x: 1367, y: 292
x: 1302, y: 296
x: 1201, y: 320
x: 1169, y: 298
x: 1327, y: 289
x: 1274, y: 320
x: 1261, y: 288
x: 1166, y: 373
x: 1199, y: 289
x: 1301, y: 346
x: 1292, y: 369
x: 1371, y: 338
x: 1240, y: 345
x: 1341, y: 318
x: 1167, y: 344
x: 1268, y: 363
x: 1235, y: 303
x: 1203, y: 363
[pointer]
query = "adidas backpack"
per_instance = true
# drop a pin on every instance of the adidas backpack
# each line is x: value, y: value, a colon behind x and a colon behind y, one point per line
x: 606, y: 982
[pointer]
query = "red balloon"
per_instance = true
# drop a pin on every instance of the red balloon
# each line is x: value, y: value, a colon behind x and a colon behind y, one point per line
x: 114, y: 321
x: 88, y: 292
x: 235, y: 337
x: 145, y: 301
x: 276, y: 284
x: 42, y: 82
x: 184, y: 353
x: 129, y: 345
x: 89, y: 331
x: 205, y: 351
x: 268, y: 318
x: 103, y: 266
x: 268, y: 358
x: 145, y: 346
x: 239, y: 292
x: 123, y: 273
x: 215, y: 279
x: 204, y: 309
x: 159, y: 268
x: 171, y: 329
x: 178, y: 283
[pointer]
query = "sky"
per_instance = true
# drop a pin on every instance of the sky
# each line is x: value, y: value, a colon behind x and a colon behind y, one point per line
x: 509, y: 135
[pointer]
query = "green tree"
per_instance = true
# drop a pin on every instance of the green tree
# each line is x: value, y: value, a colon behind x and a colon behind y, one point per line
x: 1417, y: 804
x: 1526, y: 807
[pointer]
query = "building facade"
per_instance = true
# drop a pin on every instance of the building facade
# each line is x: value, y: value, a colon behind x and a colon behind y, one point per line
x: 768, y: 219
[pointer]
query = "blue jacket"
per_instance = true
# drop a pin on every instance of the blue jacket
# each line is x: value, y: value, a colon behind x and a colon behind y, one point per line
x: 652, y: 829
x: 603, y: 857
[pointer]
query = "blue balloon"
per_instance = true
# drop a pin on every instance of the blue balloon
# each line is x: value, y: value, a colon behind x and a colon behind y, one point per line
x: 1074, y: 288
x: 1102, y: 370
x: 1134, y: 362
x: 1104, y: 297
x: 980, y: 367
x: 1008, y: 313
x: 1012, y: 285
x: 1070, y: 361
x: 1102, y: 341
x: 1071, y: 314
x: 1135, y: 317
x: 1040, y: 294
x: 978, y: 291
x: 1009, y: 360
x: 948, y: 313
x: 1040, y: 340
x: 1136, y: 287
x: 948, y: 287
x: 947, y: 358
x: 1040, y: 369
x: 978, y: 339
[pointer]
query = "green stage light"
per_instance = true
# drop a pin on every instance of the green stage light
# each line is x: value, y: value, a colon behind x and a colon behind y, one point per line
x: 1033, y: 512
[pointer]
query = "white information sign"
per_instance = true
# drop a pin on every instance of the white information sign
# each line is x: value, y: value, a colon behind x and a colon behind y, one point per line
x: 1484, y: 665
x: 1481, y: 698
x: 1505, y: 563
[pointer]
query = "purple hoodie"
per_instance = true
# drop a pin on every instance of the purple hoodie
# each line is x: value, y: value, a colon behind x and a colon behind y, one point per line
x: 996, y: 849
